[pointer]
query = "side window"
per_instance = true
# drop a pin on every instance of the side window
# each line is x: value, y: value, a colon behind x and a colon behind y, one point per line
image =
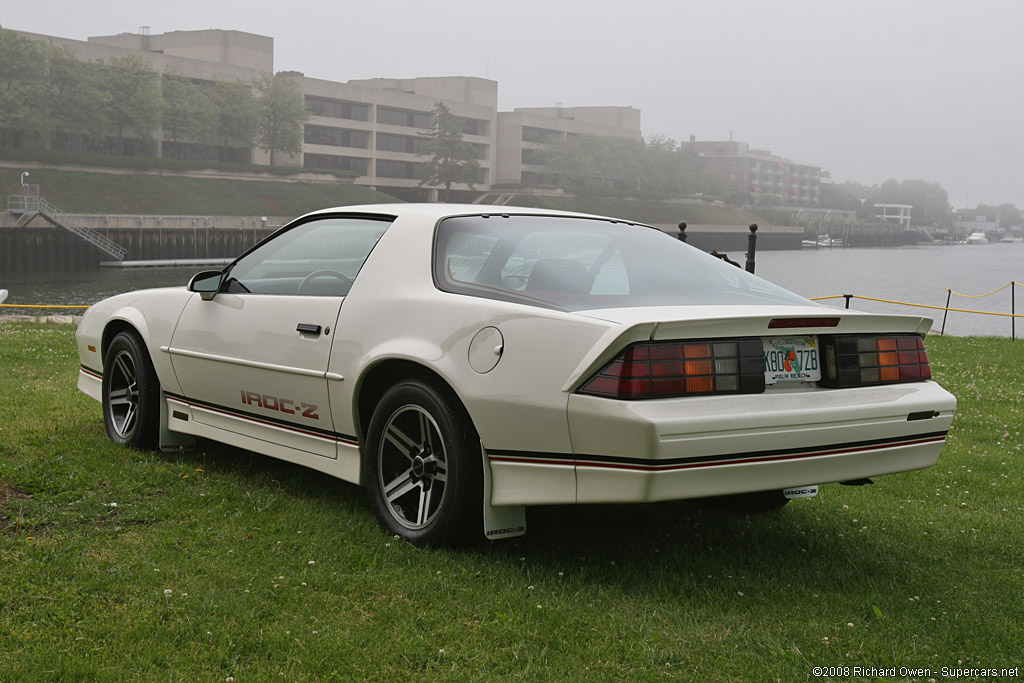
x: 321, y: 257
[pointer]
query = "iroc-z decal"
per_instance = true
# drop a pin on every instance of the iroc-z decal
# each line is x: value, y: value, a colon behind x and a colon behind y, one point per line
x: 284, y: 405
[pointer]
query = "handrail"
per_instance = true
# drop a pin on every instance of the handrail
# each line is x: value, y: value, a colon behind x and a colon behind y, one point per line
x: 1012, y: 315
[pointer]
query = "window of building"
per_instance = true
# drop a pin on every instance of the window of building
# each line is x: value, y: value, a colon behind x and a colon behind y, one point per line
x: 334, y: 162
x: 473, y: 126
x: 337, y: 109
x: 531, y: 134
x: 337, y: 137
x: 387, y: 168
x: 388, y: 142
x: 404, y: 117
x: 534, y: 157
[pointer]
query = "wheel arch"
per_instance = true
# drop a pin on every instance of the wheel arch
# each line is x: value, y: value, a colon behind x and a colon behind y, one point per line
x: 379, y: 377
x: 115, y: 327
x: 132, y: 320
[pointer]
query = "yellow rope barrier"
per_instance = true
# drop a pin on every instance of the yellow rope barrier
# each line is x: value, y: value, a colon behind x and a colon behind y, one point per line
x: 904, y: 303
x: 978, y: 296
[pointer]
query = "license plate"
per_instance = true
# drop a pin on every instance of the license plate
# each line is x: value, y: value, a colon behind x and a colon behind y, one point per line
x: 791, y: 359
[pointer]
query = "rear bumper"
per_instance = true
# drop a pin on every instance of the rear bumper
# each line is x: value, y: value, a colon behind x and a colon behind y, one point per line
x: 641, y: 451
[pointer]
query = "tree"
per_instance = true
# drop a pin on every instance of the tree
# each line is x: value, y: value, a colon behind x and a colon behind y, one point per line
x: 237, y: 116
x: 22, y: 87
x: 131, y: 98
x: 74, y: 102
x: 188, y: 109
x: 930, y: 201
x: 568, y: 160
x: 452, y: 159
x: 1006, y: 214
x: 281, y: 114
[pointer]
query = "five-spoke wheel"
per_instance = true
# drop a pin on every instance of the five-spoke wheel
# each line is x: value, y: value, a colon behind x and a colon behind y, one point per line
x: 423, y: 464
x: 131, y: 408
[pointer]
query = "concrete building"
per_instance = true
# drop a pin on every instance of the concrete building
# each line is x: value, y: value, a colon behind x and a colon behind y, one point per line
x: 758, y: 176
x: 371, y: 127
x: 896, y: 214
x: 524, y: 131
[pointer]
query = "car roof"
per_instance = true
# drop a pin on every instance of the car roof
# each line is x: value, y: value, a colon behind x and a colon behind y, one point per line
x: 435, y: 212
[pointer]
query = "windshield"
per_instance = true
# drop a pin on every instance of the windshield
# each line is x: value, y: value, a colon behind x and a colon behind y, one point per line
x: 576, y: 264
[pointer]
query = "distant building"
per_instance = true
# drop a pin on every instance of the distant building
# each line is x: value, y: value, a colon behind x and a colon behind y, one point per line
x: 896, y: 214
x: 370, y: 127
x: 968, y: 221
x: 758, y: 176
x: 523, y: 132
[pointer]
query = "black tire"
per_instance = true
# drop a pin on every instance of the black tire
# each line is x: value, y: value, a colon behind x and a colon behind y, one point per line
x: 131, y: 393
x: 423, y: 465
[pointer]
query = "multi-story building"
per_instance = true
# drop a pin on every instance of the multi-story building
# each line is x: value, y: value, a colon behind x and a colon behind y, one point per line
x: 758, y: 176
x: 523, y: 133
x: 370, y: 127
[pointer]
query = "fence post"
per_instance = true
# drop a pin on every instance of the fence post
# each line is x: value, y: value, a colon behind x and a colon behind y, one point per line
x: 682, y: 231
x: 949, y: 293
x: 847, y: 297
x: 751, y: 247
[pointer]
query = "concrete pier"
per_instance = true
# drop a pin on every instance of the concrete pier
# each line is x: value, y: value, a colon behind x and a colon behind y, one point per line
x: 37, y: 244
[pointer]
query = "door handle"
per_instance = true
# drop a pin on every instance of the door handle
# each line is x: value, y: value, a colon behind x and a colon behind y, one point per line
x: 307, y: 328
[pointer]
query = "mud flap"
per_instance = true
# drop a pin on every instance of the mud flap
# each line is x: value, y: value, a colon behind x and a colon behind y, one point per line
x: 800, y: 492
x: 172, y: 441
x: 503, y: 521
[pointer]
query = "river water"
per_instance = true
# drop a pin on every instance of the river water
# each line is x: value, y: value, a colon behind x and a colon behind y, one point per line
x: 917, y: 275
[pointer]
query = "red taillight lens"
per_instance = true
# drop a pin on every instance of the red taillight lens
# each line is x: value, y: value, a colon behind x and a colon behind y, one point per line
x: 859, y: 360
x: 663, y: 369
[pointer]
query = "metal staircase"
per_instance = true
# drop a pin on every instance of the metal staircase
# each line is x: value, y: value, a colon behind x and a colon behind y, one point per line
x: 33, y: 203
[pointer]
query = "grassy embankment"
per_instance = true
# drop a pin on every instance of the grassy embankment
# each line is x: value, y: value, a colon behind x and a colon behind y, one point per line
x: 148, y: 194
x: 124, y: 565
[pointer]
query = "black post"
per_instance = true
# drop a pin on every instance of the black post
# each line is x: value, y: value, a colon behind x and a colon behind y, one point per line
x: 682, y: 231
x: 949, y: 293
x: 1013, y: 310
x: 751, y: 247
x: 847, y: 297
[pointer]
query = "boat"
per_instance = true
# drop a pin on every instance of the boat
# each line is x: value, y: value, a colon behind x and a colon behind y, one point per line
x: 822, y: 241
x: 977, y: 238
x: 3, y: 295
x: 1011, y: 239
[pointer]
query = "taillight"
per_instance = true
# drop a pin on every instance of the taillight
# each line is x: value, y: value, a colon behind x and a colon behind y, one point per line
x: 859, y: 360
x: 663, y: 369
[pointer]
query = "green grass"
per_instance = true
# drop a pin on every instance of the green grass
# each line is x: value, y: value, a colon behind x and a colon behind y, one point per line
x: 147, y: 194
x: 220, y: 563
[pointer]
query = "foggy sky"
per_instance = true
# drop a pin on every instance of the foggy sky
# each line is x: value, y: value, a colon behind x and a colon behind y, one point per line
x: 866, y: 89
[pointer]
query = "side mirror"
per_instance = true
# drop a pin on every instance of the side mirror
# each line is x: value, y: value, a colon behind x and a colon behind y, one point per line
x: 207, y: 283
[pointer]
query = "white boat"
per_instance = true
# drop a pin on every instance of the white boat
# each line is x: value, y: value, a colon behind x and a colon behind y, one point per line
x: 1010, y: 239
x: 977, y: 238
x: 822, y: 241
x: 3, y: 295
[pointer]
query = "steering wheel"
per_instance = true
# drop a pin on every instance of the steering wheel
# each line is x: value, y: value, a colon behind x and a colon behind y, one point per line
x: 344, y: 279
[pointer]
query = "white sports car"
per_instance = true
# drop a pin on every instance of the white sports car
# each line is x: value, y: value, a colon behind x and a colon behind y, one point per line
x: 464, y: 362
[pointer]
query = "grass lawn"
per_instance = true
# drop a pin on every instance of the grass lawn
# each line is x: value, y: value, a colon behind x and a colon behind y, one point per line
x: 121, y: 565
